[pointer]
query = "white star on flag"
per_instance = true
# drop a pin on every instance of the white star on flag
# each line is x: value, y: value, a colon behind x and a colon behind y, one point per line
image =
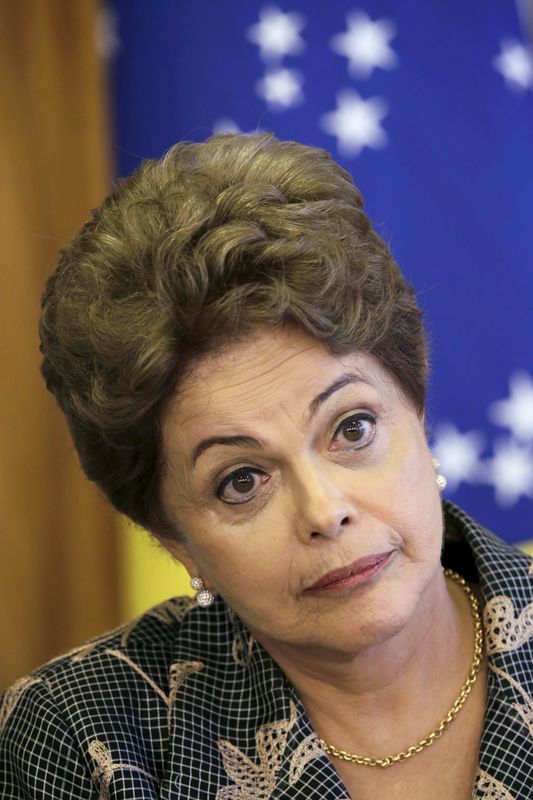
x: 356, y: 122
x: 516, y: 413
x: 515, y: 63
x: 281, y: 88
x: 458, y: 454
x: 510, y: 472
x: 277, y: 34
x: 366, y: 44
x: 226, y: 125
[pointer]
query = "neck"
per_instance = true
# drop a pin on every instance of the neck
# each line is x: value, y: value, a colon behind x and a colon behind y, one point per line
x: 406, y: 682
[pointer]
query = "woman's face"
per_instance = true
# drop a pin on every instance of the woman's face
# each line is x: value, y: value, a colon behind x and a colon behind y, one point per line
x: 286, y: 462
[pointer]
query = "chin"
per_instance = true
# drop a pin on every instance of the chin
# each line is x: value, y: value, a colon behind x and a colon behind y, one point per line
x: 377, y: 621
x: 381, y: 630
x: 350, y: 633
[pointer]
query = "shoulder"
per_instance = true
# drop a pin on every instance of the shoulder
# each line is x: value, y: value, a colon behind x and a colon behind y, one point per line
x: 68, y: 711
x: 145, y: 643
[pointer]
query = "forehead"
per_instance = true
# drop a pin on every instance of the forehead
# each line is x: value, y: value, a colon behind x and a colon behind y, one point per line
x: 254, y: 376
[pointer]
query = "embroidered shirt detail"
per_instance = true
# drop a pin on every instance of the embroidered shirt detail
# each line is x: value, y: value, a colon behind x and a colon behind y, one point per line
x: 488, y: 788
x: 179, y: 672
x: 524, y: 710
x: 241, y: 649
x: 13, y: 695
x: 256, y: 781
x: 82, y: 652
x: 306, y: 751
x: 173, y: 610
x: 103, y: 774
x: 242, y: 643
x: 131, y: 663
x: 233, y: 793
x: 503, y: 630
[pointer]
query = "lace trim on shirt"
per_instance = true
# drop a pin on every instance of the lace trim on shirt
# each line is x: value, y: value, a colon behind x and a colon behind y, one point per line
x: 524, y: 710
x: 103, y: 774
x: 256, y: 781
x: 13, y: 695
x: 488, y: 788
x: 504, y: 631
x: 179, y: 672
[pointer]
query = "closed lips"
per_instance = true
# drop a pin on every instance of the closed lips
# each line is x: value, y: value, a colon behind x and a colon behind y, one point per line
x: 361, y: 565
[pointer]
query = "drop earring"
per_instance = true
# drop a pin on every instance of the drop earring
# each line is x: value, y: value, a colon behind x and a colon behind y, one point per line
x: 203, y: 596
x: 441, y: 480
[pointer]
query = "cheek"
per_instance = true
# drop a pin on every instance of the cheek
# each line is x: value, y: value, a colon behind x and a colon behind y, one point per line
x: 412, y: 494
x: 240, y: 560
x: 411, y: 471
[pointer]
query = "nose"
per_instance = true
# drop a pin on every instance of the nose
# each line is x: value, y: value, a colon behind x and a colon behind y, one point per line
x: 322, y: 509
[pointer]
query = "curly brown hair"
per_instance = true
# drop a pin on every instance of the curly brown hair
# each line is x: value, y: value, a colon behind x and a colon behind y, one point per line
x: 189, y: 252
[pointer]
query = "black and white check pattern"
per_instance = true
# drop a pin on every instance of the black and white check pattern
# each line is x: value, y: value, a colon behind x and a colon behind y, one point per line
x: 182, y: 704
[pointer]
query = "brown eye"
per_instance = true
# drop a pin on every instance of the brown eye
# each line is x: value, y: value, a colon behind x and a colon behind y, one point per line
x: 241, y: 485
x: 242, y: 482
x: 359, y: 430
x: 354, y: 429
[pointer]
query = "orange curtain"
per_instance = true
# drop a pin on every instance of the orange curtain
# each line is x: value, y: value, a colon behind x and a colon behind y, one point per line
x: 58, y: 548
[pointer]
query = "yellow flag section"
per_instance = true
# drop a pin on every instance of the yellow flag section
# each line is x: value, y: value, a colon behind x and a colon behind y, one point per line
x: 149, y: 574
x: 528, y: 547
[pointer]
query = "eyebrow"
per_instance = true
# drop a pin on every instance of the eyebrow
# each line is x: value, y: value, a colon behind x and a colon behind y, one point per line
x: 340, y: 383
x: 236, y: 441
x: 239, y: 440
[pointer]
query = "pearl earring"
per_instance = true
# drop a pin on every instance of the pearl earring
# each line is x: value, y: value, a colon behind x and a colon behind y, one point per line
x: 203, y: 597
x: 441, y: 480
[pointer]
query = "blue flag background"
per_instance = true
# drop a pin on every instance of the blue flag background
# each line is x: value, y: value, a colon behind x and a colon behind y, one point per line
x: 430, y: 106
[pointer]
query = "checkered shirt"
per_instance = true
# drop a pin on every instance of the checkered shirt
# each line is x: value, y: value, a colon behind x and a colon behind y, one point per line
x: 182, y: 703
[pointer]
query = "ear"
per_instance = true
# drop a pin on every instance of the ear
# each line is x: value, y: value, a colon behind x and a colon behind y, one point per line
x: 178, y: 549
x: 167, y: 535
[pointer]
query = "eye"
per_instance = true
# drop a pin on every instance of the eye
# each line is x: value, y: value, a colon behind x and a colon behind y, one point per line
x: 241, y: 485
x: 356, y: 431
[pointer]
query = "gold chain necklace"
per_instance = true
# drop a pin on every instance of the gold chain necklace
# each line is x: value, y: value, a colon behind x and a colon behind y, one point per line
x: 452, y: 713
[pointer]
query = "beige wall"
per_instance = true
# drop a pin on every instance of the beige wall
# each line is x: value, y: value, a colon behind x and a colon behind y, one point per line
x: 58, y: 561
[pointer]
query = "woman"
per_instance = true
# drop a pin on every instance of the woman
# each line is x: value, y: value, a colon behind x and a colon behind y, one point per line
x: 243, y: 370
